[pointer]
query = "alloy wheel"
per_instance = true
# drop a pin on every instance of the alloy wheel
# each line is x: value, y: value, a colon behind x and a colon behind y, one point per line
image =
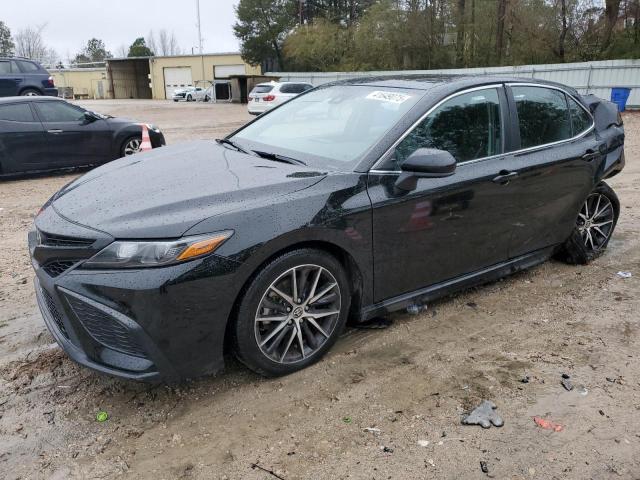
x: 297, y: 314
x: 595, y: 221
x: 132, y: 146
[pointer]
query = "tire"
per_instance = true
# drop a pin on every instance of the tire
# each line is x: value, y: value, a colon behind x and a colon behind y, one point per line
x: 274, y: 348
x: 189, y: 99
x: 175, y: 99
x: 129, y: 146
x: 31, y: 92
x: 594, y: 227
x: 206, y: 98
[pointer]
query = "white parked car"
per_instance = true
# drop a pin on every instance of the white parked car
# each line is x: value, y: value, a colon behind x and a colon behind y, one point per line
x: 265, y: 96
x: 192, y: 94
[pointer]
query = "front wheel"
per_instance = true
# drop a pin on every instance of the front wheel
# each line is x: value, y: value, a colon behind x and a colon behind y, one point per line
x: 189, y: 98
x: 292, y: 312
x: 131, y: 146
x: 594, y: 226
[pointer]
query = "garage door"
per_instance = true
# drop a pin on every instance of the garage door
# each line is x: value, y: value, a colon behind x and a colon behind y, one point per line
x: 176, y: 77
x: 225, y: 71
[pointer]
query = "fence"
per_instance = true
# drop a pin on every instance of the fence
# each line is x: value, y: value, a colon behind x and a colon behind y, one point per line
x: 597, y: 78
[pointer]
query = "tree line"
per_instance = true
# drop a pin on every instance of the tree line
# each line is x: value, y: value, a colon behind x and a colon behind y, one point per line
x: 29, y: 42
x: 344, y: 35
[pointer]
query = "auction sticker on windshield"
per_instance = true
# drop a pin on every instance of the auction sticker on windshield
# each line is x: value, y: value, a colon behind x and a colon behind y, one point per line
x: 393, y: 97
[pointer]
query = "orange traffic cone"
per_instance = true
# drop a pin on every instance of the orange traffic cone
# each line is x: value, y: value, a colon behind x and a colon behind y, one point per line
x: 146, y: 141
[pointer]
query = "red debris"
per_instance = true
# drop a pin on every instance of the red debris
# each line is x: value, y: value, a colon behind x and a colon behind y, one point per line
x: 548, y: 424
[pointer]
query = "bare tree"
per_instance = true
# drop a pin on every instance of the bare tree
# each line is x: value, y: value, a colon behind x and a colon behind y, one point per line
x: 30, y: 44
x: 151, y: 42
x: 122, y: 51
x: 168, y: 43
x: 611, y: 12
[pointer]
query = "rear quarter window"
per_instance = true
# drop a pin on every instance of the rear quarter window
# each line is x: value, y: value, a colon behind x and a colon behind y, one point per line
x: 17, y: 112
x: 28, y: 67
x: 543, y: 116
x: 580, y: 119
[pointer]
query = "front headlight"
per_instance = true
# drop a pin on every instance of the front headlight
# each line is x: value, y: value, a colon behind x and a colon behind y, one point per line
x: 153, y: 253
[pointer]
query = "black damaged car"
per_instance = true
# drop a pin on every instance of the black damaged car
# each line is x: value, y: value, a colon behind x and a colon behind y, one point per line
x: 348, y: 202
x: 42, y: 134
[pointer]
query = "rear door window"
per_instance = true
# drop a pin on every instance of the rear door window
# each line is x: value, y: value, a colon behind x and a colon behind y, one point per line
x: 580, y: 119
x: 543, y: 116
x: 5, y: 67
x: 56, y: 111
x: 468, y: 126
x: 294, y: 88
x: 17, y: 112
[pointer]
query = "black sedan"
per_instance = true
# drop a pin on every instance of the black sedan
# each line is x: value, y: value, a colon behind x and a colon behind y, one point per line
x: 45, y: 133
x: 350, y: 201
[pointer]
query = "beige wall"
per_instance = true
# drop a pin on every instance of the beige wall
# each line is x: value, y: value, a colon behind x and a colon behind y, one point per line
x: 83, y: 80
x: 201, y: 68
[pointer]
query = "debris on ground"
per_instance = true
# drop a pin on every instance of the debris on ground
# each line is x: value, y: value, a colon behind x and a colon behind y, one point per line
x: 102, y: 416
x: 472, y: 304
x: 484, y: 467
x: 347, y: 420
x: 375, y: 431
x: 484, y: 415
x: 525, y: 379
x: 266, y: 470
x: 548, y: 424
x: 423, y: 443
x: 377, y: 323
x: 416, y: 308
x: 566, y: 382
x: 624, y: 274
x: 386, y: 449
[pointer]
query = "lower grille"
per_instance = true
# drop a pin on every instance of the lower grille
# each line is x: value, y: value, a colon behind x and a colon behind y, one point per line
x: 105, y: 329
x: 56, y: 268
x: 57, y: 318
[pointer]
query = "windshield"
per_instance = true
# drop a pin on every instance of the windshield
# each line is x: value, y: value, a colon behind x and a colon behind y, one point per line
x: 331, y: 126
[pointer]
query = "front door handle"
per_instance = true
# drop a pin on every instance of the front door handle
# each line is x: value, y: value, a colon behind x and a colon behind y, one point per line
x: 55, y: 132
x: 504, y: 177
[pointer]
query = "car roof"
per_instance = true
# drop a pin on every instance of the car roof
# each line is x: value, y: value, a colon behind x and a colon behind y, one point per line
x: 7, y: 100
x: 450, y: 81
x: 275, y: 84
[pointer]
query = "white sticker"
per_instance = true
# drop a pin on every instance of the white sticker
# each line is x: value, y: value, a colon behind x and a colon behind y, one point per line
x: 393, y: 97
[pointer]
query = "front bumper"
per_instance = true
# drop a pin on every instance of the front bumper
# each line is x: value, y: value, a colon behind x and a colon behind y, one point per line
x: 153, y: 324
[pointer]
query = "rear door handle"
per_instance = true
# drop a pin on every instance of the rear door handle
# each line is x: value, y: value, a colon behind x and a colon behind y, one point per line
x: 504, y: 177
x: 55, y: 132
x: 590, y: 155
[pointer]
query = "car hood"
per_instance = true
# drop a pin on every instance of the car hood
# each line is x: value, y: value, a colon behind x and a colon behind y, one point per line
x: 164, y: 192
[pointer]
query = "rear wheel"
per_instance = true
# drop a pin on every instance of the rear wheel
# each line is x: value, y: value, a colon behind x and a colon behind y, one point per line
x: 292, y: 312
x: 31, y: 92
x: 594, y: 226
x: 189, y: 98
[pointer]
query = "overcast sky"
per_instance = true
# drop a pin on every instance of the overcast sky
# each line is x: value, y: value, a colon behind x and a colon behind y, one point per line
x: 70, y: 23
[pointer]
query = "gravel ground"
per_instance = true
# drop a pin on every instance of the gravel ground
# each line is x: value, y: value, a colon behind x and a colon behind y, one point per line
x: 413, y: 381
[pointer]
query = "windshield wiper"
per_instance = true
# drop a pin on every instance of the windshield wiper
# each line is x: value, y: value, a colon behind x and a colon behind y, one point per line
x: 226, y: 141
x: 278, y: 158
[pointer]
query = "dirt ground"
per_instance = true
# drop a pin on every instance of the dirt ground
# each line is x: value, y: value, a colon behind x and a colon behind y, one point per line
x: 413, y: 381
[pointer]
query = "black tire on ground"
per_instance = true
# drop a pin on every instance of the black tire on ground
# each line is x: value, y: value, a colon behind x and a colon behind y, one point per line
x: 189, y: 98
x: 244, y: 331
x: 175, y: 99
x: 31, y: 92
x: 577, y: 249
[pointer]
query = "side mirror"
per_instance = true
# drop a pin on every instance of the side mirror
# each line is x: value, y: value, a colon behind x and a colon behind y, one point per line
x: 89, y: 117
x: 425, y: 163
